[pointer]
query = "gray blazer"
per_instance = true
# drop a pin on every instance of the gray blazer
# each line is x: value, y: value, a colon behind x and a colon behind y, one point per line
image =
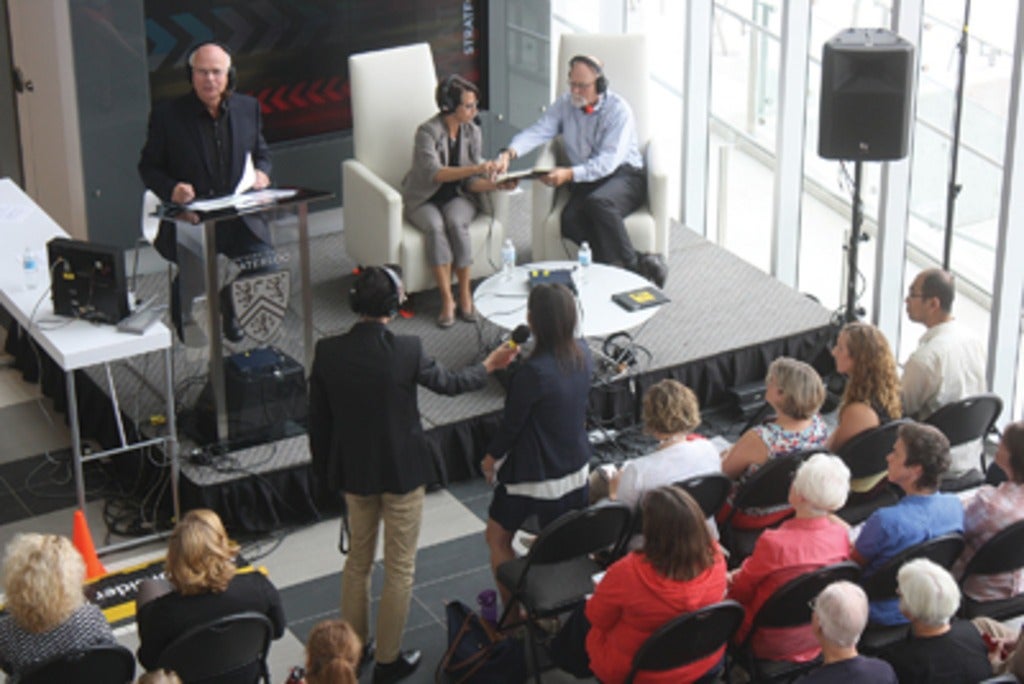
x: 430, y: 154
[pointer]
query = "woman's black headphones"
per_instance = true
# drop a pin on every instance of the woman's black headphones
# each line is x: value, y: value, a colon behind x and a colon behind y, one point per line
x: 448, y: 95
x: 232, y: 73
x: 365, y: 299
x: 601, y: 84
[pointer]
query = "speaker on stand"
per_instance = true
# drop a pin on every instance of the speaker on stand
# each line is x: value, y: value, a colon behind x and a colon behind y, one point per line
x: 867, y: 81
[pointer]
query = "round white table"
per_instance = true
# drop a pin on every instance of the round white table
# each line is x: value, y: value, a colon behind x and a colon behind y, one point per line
x: 503, y: 302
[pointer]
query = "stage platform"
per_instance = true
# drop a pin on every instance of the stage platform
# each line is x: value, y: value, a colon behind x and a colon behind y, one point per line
x: 726, y: 322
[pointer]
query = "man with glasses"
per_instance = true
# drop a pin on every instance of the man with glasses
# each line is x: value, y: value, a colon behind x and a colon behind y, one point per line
x: 949, y: 362
x: 606, y: 174
x: 196, y: 148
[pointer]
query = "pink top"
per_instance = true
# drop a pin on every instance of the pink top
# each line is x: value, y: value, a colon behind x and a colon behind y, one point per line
x: 796, y: 547
x: 990, y: 510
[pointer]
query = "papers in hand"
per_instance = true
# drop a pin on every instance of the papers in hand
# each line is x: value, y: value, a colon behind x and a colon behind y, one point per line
x: 522, y: 175
x: 242, y: 197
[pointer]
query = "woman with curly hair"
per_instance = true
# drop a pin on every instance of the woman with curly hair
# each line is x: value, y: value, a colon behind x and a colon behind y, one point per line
x: 202, y: 585
x: 872, y: 395
x: 47, y: 614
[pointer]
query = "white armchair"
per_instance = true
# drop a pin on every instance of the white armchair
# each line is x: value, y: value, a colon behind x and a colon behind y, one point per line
x: 625, y: 59
x: 392, y: 94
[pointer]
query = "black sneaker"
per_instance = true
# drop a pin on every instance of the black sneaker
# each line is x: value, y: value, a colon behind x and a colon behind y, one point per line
x: 369, y: 652
x: 653, y: 267
x: 405, y: 665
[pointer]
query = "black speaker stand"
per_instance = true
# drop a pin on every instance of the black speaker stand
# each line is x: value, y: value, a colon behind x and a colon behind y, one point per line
x: 852, y: 312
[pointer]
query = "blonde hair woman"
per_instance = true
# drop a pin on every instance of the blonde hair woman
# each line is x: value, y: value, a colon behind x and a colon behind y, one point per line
x: 47, y: 614
x: 202, y: 585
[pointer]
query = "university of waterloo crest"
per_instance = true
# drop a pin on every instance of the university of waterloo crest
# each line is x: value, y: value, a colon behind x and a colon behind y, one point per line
x: 260, y: 303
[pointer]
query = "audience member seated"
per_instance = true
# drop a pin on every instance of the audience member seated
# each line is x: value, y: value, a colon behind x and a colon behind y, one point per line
x: 202, y: 585
x: 333, y: 653
x: 937, y: 651
x: 47, y: 614
x: 794, y: 389
x: 670, y: 415
x: 917, y: 460
x: 839, y: 616
x: 679, y: 569
x: 990, y: 510
x: 811, y: 540
x: 872, y: 394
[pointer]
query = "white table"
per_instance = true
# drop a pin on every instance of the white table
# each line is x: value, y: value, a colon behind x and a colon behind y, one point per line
x: 503, y: 302
x: 78, y: 344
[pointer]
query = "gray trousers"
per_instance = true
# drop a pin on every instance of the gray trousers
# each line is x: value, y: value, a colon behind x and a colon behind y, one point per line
x: 446, y: 229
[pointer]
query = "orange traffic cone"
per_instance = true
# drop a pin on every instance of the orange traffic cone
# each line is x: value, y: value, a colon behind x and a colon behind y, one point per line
x: 82, y: 539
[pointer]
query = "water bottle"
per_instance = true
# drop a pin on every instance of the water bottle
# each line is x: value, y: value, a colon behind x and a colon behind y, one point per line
x: 488, y: 602
x: 508, y: 259
x: 30, y: 266
x: 585, y: 258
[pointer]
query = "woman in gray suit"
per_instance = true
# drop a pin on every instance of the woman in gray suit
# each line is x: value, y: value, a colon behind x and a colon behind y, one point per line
x: 439, y: 192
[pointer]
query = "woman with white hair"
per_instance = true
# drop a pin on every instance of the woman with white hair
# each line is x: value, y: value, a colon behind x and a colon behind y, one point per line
x: 839, y: 615
x: 810, y: 540
x: 47, y: 614
x: 938, y: 651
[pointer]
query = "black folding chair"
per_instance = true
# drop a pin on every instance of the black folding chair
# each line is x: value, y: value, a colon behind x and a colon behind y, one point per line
x: 968, y: 419
x: 710, y: 491
x: 789, y: 606
x: 556, y: 575
x: 767, y: 487
x: 1004, y: 552
x: 219, y: 650
x: 105, y: 664
x: 864, y: 454
x: 882, y: 585
x: 688, y: 638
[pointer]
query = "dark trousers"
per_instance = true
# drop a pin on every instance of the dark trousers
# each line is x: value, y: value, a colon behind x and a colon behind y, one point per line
x: 596, y: 210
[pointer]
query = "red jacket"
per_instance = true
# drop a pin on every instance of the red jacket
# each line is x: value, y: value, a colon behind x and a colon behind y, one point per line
x: 631, y: 602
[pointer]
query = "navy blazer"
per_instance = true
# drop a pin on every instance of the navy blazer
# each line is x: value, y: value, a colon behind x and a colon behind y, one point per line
x: 175, y: 152
x: 365, y: 433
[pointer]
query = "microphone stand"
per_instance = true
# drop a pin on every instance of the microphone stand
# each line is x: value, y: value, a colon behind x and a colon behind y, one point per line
x: 852, y: 313
x: 953, y: 189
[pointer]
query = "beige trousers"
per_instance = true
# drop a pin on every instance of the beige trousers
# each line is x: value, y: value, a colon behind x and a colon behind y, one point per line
x: 401, y: 514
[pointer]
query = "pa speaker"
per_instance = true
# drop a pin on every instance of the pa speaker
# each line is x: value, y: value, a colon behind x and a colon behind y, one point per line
x: 867, y: 80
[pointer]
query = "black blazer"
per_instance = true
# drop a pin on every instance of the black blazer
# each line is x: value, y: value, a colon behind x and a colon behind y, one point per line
x: 175, y: 152
x: 365, y: 435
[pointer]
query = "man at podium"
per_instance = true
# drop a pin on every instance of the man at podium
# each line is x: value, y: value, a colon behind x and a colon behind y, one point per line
x: 198, y: 146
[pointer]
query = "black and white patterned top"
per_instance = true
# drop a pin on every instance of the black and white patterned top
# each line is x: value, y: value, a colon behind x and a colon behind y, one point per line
x: 19, y: 649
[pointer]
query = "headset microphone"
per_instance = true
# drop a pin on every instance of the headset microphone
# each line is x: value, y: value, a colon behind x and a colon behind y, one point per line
x: 519, y: 335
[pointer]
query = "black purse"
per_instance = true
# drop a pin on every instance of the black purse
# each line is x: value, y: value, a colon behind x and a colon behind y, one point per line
x: 477, y: 652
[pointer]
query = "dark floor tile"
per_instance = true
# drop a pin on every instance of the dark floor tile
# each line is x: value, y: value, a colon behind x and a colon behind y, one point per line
x: 462, y: 587
x: 450, y: 558
x: 11, y: 506
x: 469, y: 489
x: 431, y: 641
x: 316, y: 599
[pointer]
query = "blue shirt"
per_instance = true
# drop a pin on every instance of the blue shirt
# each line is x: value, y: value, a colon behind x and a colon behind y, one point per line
x: 596, y: 143
x: 892, y: 529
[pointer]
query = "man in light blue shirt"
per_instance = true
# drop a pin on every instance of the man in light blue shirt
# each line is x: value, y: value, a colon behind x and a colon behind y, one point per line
x: 606, y: 170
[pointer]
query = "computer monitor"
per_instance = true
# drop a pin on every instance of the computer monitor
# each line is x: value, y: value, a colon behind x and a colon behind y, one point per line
x: 88, y: 280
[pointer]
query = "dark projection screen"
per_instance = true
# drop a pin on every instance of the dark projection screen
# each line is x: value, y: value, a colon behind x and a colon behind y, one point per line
x: 293, y: 54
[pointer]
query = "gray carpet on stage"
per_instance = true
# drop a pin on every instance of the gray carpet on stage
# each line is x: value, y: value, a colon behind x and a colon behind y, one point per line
x: 718, y: 303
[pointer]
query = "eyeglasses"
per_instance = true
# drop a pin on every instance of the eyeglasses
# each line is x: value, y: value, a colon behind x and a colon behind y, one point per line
x: 576, y: 85
x: 915, y: 295
x: 470, y: 105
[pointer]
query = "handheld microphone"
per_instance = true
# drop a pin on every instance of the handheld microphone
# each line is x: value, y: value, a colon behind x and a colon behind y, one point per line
x: 519, y: 335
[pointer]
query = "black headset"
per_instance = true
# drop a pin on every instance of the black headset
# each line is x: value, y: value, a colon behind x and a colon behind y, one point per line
x: 372, y: 303
x: 619, y: 348
x: 601, y: 84
x: 448, y: 96
x: 232, y: 73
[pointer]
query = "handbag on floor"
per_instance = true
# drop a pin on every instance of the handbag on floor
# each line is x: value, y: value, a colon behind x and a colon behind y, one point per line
x: 477, y: 652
